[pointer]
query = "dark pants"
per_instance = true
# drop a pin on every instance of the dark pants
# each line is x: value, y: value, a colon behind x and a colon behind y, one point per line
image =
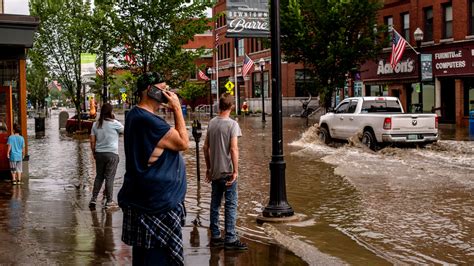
x: 152, y: 256
x: 106, y: 166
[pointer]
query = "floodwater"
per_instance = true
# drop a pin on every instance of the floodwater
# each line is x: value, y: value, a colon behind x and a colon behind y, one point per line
x: 394, y: 206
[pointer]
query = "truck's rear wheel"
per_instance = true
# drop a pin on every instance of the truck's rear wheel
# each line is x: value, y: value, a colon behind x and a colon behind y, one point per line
x: 324, y: 135
x: 369, y: 140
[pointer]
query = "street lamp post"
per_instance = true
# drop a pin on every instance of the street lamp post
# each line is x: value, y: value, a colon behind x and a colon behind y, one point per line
x: 278, y: 206
x: 419, y: 38
x: 260, y: 66
x: 209, y: 72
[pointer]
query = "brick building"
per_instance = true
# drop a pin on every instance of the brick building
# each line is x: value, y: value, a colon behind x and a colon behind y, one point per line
x: 448, y: 28
x: 293, y: 75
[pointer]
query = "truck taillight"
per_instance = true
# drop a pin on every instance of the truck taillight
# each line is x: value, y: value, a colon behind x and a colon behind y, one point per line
x: 436, y: 121
x: 387, y: 123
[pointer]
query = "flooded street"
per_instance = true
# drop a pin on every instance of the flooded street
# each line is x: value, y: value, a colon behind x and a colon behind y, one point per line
x: 395, y: 206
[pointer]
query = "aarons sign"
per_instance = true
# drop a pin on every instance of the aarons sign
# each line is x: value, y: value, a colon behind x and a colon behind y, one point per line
x: 247, y: 19
x: 404, y: 66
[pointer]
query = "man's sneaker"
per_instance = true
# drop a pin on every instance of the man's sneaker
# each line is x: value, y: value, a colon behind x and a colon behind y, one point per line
x: 92, y: 203
x: 237, y: 245
x: 216, y: 243
x: 111, y: 205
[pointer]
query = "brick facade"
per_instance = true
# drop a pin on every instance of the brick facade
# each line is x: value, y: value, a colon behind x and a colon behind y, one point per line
x: 452, y: 58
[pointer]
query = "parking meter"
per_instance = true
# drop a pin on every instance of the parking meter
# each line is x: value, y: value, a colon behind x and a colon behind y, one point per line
x: 197, y: 134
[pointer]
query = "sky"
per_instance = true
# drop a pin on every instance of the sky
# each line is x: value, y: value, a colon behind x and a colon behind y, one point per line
x: 16, y: 7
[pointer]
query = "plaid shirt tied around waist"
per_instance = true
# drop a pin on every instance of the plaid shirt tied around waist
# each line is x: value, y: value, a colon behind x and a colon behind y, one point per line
x: 155, y: 230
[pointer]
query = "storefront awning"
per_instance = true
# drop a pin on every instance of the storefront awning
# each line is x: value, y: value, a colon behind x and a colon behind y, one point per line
x: 17, y: 30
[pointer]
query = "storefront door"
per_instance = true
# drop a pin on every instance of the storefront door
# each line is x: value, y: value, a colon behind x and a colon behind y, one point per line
x: 448, y: 101
x: 5, y: 124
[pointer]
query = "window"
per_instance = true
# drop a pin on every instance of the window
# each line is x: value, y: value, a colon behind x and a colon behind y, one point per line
x: 471, y: 18
x: 256, y: 84
x: 352, y: 107
x: 389, y: 24
x: 428, y: 24
x: 342, y: 108
x: 241, y: 50
x: 304, y: 83
x: 406, y: 26
x: 448, y: 22
x: 382, y: 106
x: 468, y: 96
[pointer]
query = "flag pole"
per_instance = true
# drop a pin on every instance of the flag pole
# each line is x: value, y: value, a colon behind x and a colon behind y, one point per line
x: 236, y: 92
x: 217, y: 72
x: 405, y: 41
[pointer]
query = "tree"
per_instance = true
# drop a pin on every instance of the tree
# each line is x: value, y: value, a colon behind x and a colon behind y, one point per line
x: 153, y: 32
x: 330, y: 37
x: 64, y: 33
x: 192, y: 92
x: 37, y: 76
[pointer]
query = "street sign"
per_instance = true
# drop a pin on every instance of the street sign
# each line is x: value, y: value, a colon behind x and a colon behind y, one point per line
x: 214, y: 86
x: 229, y: 85
x: 124, y: 97
x: 122, y: 90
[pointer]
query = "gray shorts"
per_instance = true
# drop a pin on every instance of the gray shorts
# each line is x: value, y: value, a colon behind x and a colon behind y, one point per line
x: 16, y: 166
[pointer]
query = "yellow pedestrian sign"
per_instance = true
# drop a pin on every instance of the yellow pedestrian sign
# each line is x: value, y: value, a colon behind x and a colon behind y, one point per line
x: 124, y: 97
x: 229, y: 85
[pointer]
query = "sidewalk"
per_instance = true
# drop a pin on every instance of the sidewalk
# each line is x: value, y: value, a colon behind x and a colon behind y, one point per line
x: 50, y: 223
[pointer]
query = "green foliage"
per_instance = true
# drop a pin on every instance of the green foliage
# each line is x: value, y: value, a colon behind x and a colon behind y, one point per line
x: 155, y: 32
x: 64, y: 33
x: 36, y: 74
x: 192, y: 92
x: 123, y: 80
x: 331, y: 38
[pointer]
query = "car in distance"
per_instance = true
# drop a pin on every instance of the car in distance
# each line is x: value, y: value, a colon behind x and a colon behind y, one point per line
x: 379, y: 120
x: 72, y: 124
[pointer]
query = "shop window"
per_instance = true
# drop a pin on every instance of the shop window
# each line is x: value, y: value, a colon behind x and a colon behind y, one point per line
x: 376, y: 90
x: 428, y: 24
x: 256, y: 84
x: 468, y: 96
x: 9, y: 76
x: 406, y: 26
x: 304, y: 83
x: 447, y: 21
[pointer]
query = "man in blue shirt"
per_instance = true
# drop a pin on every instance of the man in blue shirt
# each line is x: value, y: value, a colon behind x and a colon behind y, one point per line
x: 15, y: 154
x: 154, y: 188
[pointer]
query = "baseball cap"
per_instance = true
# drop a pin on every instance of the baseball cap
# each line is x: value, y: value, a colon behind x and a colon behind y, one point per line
x: 147, y: 79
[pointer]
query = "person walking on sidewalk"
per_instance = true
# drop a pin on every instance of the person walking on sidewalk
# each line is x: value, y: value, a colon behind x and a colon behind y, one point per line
x: 154, y: 187
x: 222, y: 161
x: 104, y: 144
x: 15, y: 154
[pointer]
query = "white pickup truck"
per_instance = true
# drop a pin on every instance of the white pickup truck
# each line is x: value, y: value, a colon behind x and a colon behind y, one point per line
x: 379, y: 120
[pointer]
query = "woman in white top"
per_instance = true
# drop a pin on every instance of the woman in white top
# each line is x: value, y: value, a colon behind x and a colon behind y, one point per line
x: 104, y: 144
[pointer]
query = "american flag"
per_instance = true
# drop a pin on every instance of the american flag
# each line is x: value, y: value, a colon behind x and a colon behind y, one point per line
x: 398, y: 47
x: 129, y: 57
x: 100, y: 71
x: 248, y: 63
x: 202, y: 75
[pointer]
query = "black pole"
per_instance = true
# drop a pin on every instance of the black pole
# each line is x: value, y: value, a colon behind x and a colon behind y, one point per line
x: 278, y: 205
x: 104, y: 66
x: 210, y: 99
x: 263, y: 93
x: 420, y: 94
x: 197, y: 161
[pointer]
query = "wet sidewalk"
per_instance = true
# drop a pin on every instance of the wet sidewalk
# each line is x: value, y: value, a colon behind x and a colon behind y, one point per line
x: 48, y: 222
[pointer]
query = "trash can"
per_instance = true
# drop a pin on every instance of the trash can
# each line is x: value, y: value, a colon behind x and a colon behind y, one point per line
x: 184, y: 108
x: 471, y: 123
x: 39, y: 126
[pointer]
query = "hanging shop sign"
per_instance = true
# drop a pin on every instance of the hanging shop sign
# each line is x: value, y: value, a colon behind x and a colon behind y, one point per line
x: 426, y: 67
x: 404, y: 66
x: 248, y: 19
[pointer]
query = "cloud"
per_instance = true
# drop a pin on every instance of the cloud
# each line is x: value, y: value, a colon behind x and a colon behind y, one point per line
x: 16, y: 7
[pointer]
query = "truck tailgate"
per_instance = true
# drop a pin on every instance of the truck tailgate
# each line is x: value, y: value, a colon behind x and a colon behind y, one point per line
x: 414, y: 122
